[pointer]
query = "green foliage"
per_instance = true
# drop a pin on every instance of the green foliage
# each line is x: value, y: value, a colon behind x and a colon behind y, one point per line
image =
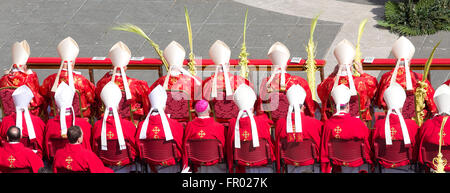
x: 416, y: 17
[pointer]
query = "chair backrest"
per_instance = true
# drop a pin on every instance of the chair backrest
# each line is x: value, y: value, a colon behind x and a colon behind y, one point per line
x: 76, y: 104
x: 279, y: 105
x: 54, y: 144
x: 124, y: 107
x: 397, y: 152
x: 430, y: 151
x: 224, y: 108
x: 7, y: 101
x: 204, y: 150
x: 355, y: 106
x: 15, y: 170
x: 157, y: 151
x: 178, y: 105
x: 345, y: 150
x: 113, y: 156
x: 298, y: 151
x: 249, y: 154
x: 408, y: 110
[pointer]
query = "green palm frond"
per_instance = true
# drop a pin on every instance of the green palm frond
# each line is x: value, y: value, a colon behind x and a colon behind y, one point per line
x: 243, y: 61
x: 191, y: 63
x: 429, y: 61
x: 137, y: 30
x: 310, y: 61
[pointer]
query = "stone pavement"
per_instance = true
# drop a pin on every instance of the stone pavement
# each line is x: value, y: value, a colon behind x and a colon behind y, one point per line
x: 43, y: 23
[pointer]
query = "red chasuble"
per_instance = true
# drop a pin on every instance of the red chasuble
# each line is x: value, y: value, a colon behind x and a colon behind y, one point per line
x: 181, y: 82
x: 128, y: 130
x: 155, y: 130
x: 17, y: 79
x: 263, y: 124
x: 53, y: 130
x: 366, y: 87
x: 401, y: 79
x: 15, y: 155
x: 39, y: 127
x: 344, y: 127
x: 290, y: 80
x: 429, y: 133
x: 235, y: 81
x: 311, y: 129
x: 139, y: 101
x: 205, y: 128
x: 396, y: 134
x: 75, y: 157
x: 82, y: 85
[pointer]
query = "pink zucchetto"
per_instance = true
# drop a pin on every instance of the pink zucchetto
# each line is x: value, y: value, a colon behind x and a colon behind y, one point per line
x: 201, y: 106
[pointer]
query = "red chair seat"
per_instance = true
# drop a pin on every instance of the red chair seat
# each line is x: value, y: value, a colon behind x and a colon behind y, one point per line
x: 178, y: 105
x: 298, y: 152
x: 157, y: 151
x: 225, y: 110
x: 408, y: 110
x: 7, y: 101
x: 124, y: 107
x: 278, y: 105
x: 354, y: 106
x: 204, y: 151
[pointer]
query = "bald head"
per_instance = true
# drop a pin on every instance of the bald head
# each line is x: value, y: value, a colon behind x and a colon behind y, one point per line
x: 13, y: 134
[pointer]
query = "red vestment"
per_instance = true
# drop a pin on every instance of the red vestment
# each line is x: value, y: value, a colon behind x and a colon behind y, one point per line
x: 53, y: 130
x: 235, y: 81
x: 224, y: 110
x: 39, y: 127
x: 263, y: 124
x: 311, y: 129
x: 447, y: 82
x: 275, y: 85
x: 181, y: 82
x: 344, y: 127
x: 365, y: 85
x: 139, y: 101
x: 85, y: 88
x: 128, y: 130
x: 429, y: 133
x: 155, y: 130
x: 16, y: 155
x: 76, y: 158
x: 17, y: 79
x: 205, y: 128
x: 397, y: 134
x: 401, y: 79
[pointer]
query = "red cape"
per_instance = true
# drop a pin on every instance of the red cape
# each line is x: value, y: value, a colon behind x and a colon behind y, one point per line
x: 75, y: 157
